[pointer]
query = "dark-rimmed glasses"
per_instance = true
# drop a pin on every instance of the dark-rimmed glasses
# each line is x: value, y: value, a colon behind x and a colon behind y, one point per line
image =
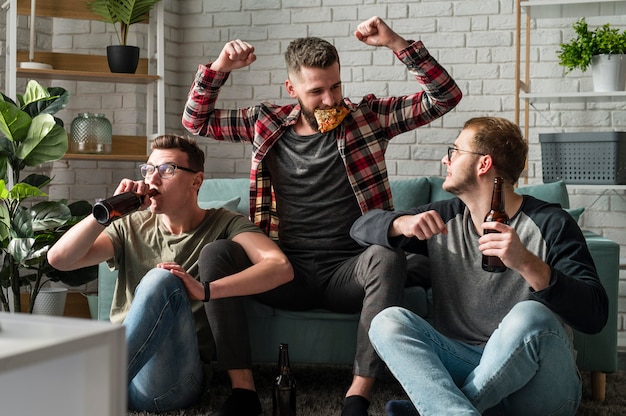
x: 165, y: 170
x: 452, y: 149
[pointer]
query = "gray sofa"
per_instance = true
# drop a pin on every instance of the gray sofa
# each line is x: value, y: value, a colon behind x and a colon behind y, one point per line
x: 320, y: 336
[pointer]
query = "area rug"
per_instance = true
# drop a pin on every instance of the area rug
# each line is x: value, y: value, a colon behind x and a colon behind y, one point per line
x: 321, y: 389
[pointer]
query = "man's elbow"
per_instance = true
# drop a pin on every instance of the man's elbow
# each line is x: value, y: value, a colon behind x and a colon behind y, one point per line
x: 191, y: 127
x: 56, y: 260
x: 286, y: 271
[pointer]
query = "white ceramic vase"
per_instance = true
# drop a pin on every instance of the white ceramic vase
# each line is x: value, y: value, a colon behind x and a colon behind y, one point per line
x: 608, y: 72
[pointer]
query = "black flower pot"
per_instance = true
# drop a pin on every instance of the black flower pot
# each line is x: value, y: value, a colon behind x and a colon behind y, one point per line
x: 122, y: 58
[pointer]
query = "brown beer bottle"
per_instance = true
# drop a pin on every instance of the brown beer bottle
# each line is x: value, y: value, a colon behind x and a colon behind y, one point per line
x: 284, y: 387
x: 496, y: 213
x: 119, y: 205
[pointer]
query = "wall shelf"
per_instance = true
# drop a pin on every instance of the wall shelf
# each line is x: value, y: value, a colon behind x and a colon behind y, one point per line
x: 572, y: 8
x: 572, y: 95
x: 93, y: 68
x: 79, y: 67
x: 124, y: 148
x: 544, y: 9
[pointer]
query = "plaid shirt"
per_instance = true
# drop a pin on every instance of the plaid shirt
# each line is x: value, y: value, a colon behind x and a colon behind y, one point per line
x: 362, y: 138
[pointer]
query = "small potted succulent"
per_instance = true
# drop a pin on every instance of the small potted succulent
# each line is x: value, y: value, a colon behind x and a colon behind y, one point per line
x: 122, y: 14
x: 602, y: 48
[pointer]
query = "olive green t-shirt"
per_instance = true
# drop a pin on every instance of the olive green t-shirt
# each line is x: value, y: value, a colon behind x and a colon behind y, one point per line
x: 141, y: 242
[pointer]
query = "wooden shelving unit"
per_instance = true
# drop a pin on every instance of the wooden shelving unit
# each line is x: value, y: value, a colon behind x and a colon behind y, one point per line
x: 92, y: 68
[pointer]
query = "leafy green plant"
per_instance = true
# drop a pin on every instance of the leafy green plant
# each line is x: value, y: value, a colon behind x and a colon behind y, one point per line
x: 123, y: 13
x: 31, y: 135
x: 577, y: 53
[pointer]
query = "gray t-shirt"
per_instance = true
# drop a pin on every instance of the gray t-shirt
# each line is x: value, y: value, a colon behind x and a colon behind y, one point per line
x: 315, y: 202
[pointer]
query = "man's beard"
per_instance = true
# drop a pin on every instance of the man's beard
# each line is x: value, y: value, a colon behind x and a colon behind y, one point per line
x: 308, y: 115
x: 467, y: 184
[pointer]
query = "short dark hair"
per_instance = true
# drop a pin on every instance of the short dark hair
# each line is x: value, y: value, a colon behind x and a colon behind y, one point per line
x: 310, y: 52
x: 503, y: 141
x: 195, y: 155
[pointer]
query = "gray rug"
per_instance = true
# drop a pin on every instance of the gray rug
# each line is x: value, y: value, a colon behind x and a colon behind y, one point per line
x: 321, y: 389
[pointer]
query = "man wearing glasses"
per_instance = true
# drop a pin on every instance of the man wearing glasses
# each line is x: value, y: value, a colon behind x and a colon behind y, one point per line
x: 159, y: 254
x: 499, y: 343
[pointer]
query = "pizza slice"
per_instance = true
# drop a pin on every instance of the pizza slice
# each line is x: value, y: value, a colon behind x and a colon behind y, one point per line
x: 331, y: 118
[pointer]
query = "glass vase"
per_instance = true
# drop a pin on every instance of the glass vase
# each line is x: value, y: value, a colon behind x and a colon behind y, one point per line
x: 91, y: 133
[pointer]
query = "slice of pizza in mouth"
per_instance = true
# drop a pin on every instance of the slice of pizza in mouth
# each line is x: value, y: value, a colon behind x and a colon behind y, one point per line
x: 330, y: 118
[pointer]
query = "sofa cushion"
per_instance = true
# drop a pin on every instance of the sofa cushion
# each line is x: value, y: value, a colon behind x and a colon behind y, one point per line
x: 224, y: 190
x: 409, y: 193
x: 575, y: 212
x: 436, y: 191
x: 550, y: 192
x: 231, y: 204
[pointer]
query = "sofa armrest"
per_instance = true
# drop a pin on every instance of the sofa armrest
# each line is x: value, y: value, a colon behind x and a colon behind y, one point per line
x: 599, y: 352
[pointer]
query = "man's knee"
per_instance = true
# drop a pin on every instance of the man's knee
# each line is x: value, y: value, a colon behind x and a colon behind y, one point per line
x: 158, y: 282
x: 221, y: 258
x: 387, y: 322
x: 158, y: 278
x: 530, y: 316
x: 382, y: 257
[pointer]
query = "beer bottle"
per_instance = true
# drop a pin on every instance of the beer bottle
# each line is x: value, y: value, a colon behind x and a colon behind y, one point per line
x: 119, y: 205
x: 284, y: 387
x: 496, y: 213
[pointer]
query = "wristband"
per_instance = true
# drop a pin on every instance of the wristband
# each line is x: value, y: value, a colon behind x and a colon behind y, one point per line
x: 207, y: 292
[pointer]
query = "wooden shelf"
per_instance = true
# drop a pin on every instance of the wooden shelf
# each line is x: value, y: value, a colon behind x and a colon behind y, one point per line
x: 124, y: 148
x: 80, y: 67
x: 67, y: 9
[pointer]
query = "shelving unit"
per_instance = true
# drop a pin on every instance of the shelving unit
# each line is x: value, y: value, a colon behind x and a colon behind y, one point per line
x: 93, y: 68
x: 544, y: 9
x: 528, y: 10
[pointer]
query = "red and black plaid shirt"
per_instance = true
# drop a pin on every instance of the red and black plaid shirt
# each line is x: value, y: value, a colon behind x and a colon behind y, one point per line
x: 362, y: 137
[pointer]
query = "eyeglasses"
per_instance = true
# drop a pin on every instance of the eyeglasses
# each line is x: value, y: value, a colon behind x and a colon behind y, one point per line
x: 451, y: 151
x: 165, y: 170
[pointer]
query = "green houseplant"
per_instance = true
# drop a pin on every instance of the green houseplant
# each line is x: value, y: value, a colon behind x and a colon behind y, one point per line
x: 578, y: 52
x: 122, y: 14
x: 31, y: 135
x: 601, y: 49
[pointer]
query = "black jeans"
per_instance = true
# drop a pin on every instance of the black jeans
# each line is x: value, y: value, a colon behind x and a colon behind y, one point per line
x: 365, y: 282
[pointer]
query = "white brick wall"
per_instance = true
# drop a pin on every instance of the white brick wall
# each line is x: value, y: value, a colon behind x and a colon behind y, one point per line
x: 473, y: 40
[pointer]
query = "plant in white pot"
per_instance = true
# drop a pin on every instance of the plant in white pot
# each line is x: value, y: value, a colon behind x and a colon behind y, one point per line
x: 122, y: 14
x: 602, y: 49
x: 29, y: 136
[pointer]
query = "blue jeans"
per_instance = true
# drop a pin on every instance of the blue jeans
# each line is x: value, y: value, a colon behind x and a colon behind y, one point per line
x: 526, y: 368
x: 165, y: 371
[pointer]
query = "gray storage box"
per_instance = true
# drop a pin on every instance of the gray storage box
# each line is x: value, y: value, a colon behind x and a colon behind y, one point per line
x: 595, y: 158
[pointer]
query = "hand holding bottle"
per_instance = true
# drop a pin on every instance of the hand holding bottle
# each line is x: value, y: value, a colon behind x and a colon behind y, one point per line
x: 497, y: 213
x: 129, y: 196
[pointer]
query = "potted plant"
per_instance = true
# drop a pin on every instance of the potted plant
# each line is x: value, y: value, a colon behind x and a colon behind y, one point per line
x: 122, y: 14
x: 31, y: 135
x: 602, y: 49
